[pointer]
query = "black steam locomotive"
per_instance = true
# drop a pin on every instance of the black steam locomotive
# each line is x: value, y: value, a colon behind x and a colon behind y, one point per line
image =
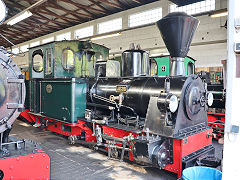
x: 161, y: 121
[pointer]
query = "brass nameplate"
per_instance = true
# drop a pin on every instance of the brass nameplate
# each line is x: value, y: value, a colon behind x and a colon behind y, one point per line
x: 121, y: 88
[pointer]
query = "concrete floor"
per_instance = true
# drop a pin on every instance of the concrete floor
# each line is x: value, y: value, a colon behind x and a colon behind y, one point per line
x: 74, y: 162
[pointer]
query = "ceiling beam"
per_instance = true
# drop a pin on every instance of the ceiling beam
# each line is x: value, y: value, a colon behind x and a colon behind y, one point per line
x: 15, y: 4
x: 99, y: 5
x: 57, y: 23
x: 43, y: 6
x: 34, y: 27
x: 64, y: 18
x: 84, y: 7
x: 73, y: 13
x: 13, y: 34
x: 37, y: 21
x: 89, y: 14
x: 110, y: 3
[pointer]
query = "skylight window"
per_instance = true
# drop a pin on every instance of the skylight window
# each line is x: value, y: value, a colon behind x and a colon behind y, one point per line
x: 145, y: 17
x: 109, y: 26
x: 195, y: 8
x: 83, y: 32
x: 64, y: 36
x: 47, y: 40
x: 24, y: 48
x: 37, y: 43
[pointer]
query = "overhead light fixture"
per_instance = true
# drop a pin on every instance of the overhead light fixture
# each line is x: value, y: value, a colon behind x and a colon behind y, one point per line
x: 26, y: 13
x: 219, y: 13
x: 105, y: 36
x: 19, y: 18
x: 3, y: 11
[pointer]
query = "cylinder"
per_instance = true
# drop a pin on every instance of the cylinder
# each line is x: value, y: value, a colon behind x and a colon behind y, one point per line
x: 135, y: 63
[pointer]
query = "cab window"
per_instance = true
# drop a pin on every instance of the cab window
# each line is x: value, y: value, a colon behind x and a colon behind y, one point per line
x: 68, y: 59
x: 37, y: 61
x: 49, y: 61
x: 190, y: 68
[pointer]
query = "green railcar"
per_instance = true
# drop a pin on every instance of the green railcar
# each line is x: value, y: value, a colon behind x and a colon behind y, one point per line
x: 160, y: 65
x: 57, y: 88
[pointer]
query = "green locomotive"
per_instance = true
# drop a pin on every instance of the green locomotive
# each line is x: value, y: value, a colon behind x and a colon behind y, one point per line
x: 55, y: 72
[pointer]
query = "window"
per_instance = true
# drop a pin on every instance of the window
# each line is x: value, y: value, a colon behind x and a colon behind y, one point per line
x: 24, y: 48
x: 83, y: 32
x: 146, y: 17
x: 49, y: 61
x: 47, y: 40
x: 68, y: 59
x: 195, y: 8
x: 37, y: 43
x: 65, y: 36
x: 15, y: 50
x: 37, y: 60
x: 109, y: 26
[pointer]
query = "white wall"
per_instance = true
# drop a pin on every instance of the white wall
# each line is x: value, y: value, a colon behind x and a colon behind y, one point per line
x: 208, y: 47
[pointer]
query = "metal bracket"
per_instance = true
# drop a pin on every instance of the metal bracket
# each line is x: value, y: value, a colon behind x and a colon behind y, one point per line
x: 14, y: 106
x: 167, y: 85
x: 20, y: 106
x: 3, y: 120
x: 185, y: 141
x: 11, y: 80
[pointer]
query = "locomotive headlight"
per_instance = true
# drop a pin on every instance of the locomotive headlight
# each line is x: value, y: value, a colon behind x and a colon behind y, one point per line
x: 210, y: 99
x: 173, y: 103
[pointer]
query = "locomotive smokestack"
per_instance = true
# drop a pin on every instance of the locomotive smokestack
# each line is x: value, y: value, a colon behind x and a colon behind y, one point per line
x: 177, y: 30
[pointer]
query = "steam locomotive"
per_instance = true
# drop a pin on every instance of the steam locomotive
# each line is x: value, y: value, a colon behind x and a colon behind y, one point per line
x: 159, y: 121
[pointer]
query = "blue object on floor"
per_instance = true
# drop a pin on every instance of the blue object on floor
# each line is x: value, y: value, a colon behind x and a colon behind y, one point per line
x: 201, y: 173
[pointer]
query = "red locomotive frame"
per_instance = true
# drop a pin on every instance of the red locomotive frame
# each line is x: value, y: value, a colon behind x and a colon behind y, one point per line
x: 181, y: 147
x: 217, y: 122
x: 30, y: 166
